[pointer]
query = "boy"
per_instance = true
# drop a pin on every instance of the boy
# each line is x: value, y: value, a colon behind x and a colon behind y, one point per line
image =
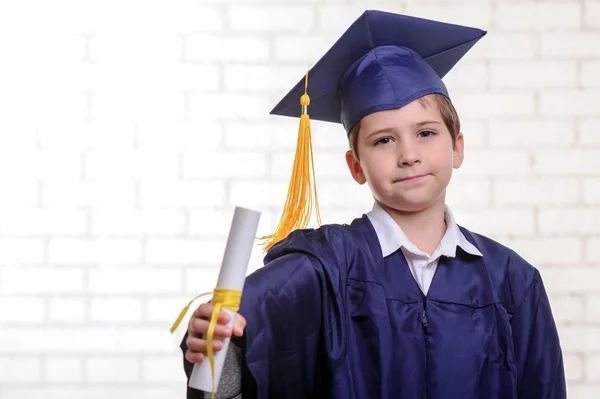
x: 401, y: 303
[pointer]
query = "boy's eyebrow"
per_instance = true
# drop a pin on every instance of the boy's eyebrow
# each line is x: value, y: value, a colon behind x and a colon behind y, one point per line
x: 389, y: 129
x: 427, y: 123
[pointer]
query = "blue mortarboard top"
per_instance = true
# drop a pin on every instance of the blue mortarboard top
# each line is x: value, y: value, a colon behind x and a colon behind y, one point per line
x: 383, y: 61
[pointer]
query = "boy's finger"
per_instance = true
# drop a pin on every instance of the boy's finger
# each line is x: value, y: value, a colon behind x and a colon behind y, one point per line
x: 199, y: 345
x: 200, y: 326
x: 204, y: 311
x: 194, y: 357
x: 238, y: 325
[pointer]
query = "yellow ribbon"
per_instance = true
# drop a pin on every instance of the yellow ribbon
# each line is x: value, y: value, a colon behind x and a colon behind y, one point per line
x: 223, y: 298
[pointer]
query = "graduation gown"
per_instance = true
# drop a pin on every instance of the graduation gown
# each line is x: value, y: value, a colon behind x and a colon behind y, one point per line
x: 329, y: 317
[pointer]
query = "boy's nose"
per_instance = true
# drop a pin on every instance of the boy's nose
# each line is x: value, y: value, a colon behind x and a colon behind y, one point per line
x: 408, y: 156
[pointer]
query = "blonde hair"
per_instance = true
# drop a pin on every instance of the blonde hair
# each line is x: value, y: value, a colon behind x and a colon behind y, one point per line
x: 447, y: 110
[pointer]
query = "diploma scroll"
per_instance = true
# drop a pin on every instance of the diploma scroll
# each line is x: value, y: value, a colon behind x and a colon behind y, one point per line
x: 231, y: 277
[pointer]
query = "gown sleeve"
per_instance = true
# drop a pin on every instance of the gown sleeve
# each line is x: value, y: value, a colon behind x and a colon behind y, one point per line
x: 537, y: 346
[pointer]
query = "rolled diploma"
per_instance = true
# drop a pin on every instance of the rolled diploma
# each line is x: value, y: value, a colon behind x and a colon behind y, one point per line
x: 232, y: 276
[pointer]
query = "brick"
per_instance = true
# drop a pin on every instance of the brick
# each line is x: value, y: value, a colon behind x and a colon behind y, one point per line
x: 101, y: 391
x: 573, y: 368
x: 134, y: 222
x: 111, y: 370
x: 61, y: 340
x: 516, y: 16
x: 144, y: 340
x: 184, y: 251
x: 570, y: 45
x: 569, y: 102
x: 592, y: 13
x: 572, y: 162
x: 39, y: 164
x: 131, y: 281
x: 494, y: 104
x: 463, y: 192
x: 222, y: 165
x: 571, y: 280
x: 216, y: 106
x: 470, y: 76
x: 460, y: 12
x: 592, y: 368
x: 592, y: 250
x: 338, y: 17
x: 266, y: 78
x: 203, y: 47
x: 495, y: 163
x: 177, y: 136
x: 43, y: 222
x: 21, y: 310
x: 474, y: 132
x: 548, y: 251
x: 183, y: 77
x: 567, y: 309
x: 162, y: 369
x: 533, y: 74
x: 185, y: 16
x: 534, y: 191
x: 213, y: 223
x: 569, y: 220
x: 36, y: 280
x: 116, y: 310
x: 138, y: 103
x: 60, y: 105
x: 131, y: 164
x: 77, y: 193
x: 585, y: 391
x: 63, y: 369
x: 506, y: 46
x: 20, y: 369
x: 258, y: 193
x: 21, y: 250
x: 282, y: 134
x: 94, y: 251
x: 60, y: 135
x: 18, y: 134
x: 271, y: 18
x: 589, y: 132
x: 305, y: 49
x: 182, y: 193
x: 592, y: 308
x: 589, y: 73
x: 591, y: 191
x: 514, y: 222
x: 66, y: 310
x: 531, y: 133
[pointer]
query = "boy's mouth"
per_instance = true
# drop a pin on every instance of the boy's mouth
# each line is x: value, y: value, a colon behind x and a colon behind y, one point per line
x: 413, y: 178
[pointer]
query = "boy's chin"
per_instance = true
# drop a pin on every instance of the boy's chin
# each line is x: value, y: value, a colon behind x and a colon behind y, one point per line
x: 409, y: 206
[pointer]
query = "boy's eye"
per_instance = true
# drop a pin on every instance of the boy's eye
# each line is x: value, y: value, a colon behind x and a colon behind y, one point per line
x: 426, y: 133
x: 383, y: 140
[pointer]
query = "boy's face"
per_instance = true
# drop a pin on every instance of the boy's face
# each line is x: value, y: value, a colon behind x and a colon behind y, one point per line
x: 406, y: 156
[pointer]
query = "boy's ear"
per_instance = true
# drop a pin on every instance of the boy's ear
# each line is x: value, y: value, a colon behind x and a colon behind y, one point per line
x: 459, y: 151
x: 355, y: 168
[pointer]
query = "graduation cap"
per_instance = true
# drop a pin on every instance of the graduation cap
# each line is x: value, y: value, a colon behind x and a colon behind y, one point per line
x: 383, y: 61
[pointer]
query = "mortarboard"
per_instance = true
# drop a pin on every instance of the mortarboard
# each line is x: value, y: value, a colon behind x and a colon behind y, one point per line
x: 383, y: 61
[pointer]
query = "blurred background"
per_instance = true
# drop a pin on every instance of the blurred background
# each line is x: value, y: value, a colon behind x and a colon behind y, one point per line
x: 129, y: 130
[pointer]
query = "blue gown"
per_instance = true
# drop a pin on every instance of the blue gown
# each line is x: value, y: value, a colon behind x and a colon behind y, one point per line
x: 329, y: 317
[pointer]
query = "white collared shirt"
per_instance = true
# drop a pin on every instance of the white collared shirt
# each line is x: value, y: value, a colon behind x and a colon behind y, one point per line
x: 422, y: 266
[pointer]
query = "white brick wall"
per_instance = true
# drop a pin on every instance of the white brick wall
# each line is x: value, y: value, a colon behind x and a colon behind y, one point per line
x: 129, y: 130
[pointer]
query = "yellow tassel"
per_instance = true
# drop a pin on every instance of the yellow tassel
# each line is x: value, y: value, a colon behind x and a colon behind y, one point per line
x: 299, y: 203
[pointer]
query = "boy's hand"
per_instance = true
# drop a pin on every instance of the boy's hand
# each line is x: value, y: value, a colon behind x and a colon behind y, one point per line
x: 198, y: 327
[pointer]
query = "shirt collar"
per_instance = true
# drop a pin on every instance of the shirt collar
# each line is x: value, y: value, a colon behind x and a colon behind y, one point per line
x: 391, y: 237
